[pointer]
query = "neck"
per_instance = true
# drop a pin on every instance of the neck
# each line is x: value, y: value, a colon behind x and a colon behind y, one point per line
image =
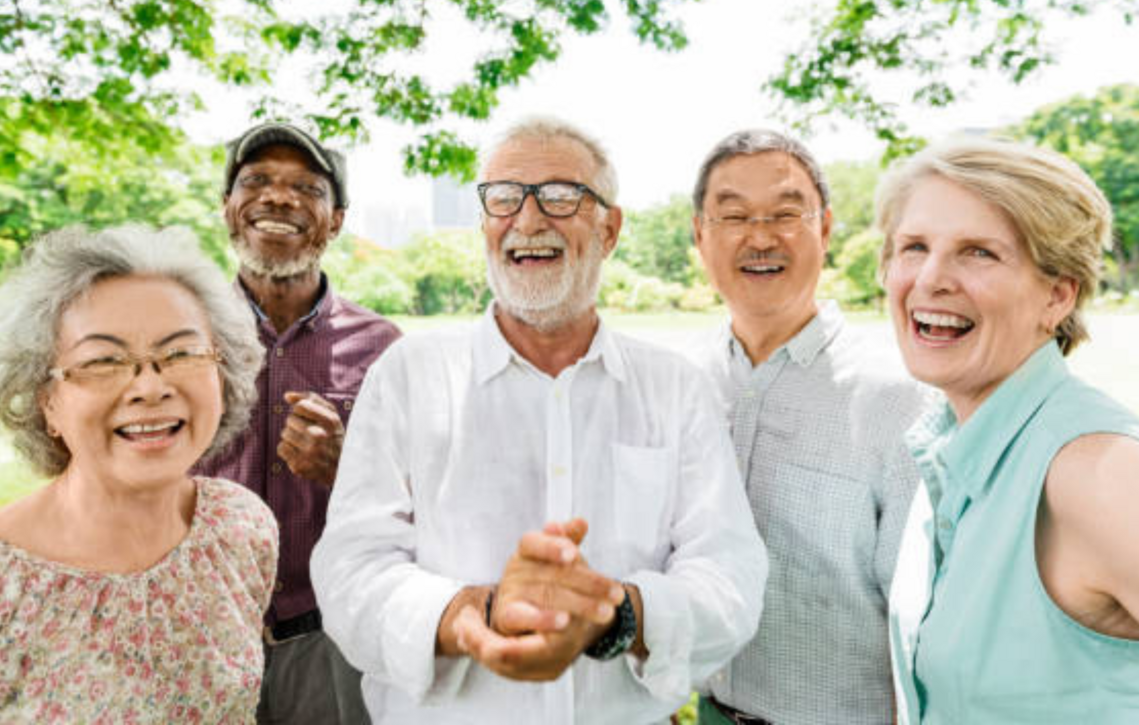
x: 284, y: 300
x: 762, y: 335
x: 123, y: 531
x: 550, y: 351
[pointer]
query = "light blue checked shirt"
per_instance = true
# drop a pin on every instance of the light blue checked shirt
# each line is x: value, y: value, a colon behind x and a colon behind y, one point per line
x: 818, y: 430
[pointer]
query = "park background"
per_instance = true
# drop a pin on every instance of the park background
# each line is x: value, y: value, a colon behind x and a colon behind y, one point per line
x: 116, y: 112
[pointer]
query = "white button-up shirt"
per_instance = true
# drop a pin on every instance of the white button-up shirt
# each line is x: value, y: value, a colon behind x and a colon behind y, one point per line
x: 458, y: 446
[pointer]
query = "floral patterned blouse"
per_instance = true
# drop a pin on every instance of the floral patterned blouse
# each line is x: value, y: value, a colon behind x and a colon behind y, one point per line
x: 177, y: 643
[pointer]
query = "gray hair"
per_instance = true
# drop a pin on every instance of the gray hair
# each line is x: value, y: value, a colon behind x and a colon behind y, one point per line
x: 758, y: 141
x: 63, y: 266
x: 548, y: 129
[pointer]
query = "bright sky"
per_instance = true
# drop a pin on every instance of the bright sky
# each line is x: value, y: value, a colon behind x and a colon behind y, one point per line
x: 658, y: 114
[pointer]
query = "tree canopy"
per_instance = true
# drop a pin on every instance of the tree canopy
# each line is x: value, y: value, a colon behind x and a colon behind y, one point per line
x: 916, y: 44
x: 90, y: 64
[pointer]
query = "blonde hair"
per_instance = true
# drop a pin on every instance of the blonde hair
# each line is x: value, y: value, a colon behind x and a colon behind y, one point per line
x: 1061, y: 215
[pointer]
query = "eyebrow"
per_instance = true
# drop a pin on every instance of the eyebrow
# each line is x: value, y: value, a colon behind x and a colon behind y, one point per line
x: 784, y: 195
x: 114, y: 340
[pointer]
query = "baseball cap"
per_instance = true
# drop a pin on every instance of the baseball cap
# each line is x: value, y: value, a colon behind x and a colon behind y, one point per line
x: 239, y: 150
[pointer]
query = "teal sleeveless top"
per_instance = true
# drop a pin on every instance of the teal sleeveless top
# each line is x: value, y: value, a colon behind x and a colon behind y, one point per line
x: 975, y: 638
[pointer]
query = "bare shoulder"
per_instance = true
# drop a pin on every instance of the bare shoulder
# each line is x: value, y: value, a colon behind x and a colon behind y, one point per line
x: 1095, y: 475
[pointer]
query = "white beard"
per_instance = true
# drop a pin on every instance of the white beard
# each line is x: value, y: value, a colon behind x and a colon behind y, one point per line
x: 546, y: 298
x: 305, y: 262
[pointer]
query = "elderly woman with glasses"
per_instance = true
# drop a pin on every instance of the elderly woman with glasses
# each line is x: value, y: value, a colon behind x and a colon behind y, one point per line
x: 129, y: 590
x: 1016, y: 594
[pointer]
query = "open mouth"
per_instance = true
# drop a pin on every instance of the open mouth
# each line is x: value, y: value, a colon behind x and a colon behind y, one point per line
x: 147, y: 432
x: 941, y: 326
x: 276, y: 226
x: 533, y: 255
x: 762, y: 269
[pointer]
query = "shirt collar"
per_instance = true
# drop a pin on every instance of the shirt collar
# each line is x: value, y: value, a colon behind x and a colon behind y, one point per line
x: 806, y: 345
x: 970, y: 452
x: 320, y: 307
x: 493, y: 354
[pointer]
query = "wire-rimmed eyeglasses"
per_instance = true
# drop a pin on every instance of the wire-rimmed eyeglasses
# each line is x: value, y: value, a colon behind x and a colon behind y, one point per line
x: 783, y: 222
x: 557, y: 199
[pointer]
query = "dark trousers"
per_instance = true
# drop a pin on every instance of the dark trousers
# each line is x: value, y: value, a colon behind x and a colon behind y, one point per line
x: 308, y: 682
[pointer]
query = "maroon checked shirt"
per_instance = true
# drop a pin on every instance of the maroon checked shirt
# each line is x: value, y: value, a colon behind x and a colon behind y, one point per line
x: 326, y: 352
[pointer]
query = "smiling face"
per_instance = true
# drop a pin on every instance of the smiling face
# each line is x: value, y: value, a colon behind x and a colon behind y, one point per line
x: 281, y: 213
x: 545, y: 271
x: 766, y: 273
x: 969, y: 304
x: 145, y: 432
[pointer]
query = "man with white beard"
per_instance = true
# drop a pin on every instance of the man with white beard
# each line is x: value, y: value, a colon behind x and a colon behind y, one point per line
x: 456, y: 570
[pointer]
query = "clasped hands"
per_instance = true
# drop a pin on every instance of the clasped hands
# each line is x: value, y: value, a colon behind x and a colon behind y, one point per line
x: 547, y: 609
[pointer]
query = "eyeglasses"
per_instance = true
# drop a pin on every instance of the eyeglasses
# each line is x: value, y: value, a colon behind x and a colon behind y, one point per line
x: 173, y: 363
x: 558, y: 199
x: 782, y: 223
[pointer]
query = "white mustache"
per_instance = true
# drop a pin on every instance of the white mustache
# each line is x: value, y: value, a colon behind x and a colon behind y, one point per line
x: 545, y: 240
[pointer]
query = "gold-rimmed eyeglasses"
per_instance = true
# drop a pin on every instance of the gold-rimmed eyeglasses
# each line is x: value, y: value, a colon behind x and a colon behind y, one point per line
x: 120, y: 368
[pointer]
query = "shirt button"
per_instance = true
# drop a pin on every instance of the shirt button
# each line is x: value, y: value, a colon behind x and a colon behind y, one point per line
x: 280, y: 352
x: 278, y: 409
x: 279, y: 586
x: 559, y: 470
x: 945, y: 524
x: 275, y: 468
x: 347, y: 405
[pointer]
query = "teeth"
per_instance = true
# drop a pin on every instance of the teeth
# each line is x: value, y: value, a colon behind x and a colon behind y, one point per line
x: 268, y: 225
x: 763, y: 268
x: 540, y: 252
x: 942, y: 320
x: 136, y: 428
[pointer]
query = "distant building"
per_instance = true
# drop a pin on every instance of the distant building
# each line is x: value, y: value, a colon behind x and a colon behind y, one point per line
x: 453, y: 205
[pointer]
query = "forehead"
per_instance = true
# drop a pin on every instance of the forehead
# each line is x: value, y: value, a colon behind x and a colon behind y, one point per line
x: 534, y: 160
x: 283, y: 157
x: 111, y: 307
x: 764, y: 178
x: 937, y: 206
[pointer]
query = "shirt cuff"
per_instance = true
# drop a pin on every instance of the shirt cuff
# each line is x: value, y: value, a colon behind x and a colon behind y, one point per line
x: 409, y: 647
x: 667, y: 630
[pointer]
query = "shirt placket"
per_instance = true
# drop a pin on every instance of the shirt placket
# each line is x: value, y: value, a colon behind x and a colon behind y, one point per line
x: 559, y: 695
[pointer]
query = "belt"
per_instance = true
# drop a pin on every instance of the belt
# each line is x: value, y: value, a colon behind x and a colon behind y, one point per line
x: 737, y: 717
x: 292, y: 627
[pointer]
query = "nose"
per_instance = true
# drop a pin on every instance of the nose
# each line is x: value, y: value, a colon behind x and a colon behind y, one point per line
x: 936, y: 274
x: 279, y: 195
x: 148, y: 383
x: 530, y: 219
x: 757, y: 235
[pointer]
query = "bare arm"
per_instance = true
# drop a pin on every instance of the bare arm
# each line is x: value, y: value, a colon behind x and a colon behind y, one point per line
x: 1087, y: 541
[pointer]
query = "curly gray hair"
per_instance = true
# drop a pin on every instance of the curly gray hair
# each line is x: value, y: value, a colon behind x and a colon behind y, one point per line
x: 62, y: 266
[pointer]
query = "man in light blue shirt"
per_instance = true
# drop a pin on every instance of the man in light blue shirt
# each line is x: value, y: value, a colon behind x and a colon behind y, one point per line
x: 817, y: 418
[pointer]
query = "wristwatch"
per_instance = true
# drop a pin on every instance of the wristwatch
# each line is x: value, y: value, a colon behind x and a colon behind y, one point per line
x: 621, y: 633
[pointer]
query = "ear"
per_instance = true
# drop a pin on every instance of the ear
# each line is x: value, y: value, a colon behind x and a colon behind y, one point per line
x: 611, y: 228
x: 337, y: 222
x: 46, y: 403
x: 1061, y: 300
x: 697, y: 231
x: 828, y: 220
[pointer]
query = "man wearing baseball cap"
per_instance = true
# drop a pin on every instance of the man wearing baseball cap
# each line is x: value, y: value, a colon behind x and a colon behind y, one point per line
x: 284, y: 200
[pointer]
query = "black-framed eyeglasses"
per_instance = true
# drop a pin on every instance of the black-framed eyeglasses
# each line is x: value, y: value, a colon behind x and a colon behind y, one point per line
x: 557, y: 199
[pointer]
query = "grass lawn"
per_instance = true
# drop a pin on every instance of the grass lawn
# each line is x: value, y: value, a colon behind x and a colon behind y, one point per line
x: 1110, y: 361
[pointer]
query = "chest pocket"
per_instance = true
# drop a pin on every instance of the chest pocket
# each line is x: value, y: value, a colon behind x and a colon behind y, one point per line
x: 343, y: 402
x: 643, y: 484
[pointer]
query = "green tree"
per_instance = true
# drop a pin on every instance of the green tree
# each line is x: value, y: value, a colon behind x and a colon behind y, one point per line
x: 655, y: 242
x: 1101, y: 133
x: 84, y: 171
x: 852, y: 185
x: 448, y: 272
x: 128, y: 60
x: 370, y: 275
x: 915, y: 44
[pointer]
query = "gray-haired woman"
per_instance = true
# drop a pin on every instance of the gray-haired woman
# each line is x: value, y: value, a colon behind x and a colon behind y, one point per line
x: 129, y: 590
